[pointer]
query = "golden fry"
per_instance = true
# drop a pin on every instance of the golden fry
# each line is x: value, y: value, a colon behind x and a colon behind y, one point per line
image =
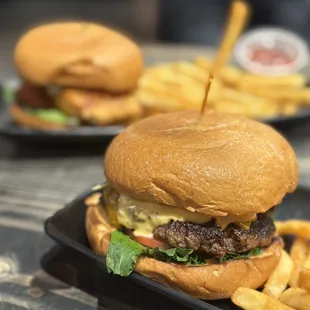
x: 251, y: 105
x: 304, y: 279
x: 298, y: 255
x: 204, y: 63
x: 162, y: 101
x: 249, y: 299
x: 298, y: 228
x: 296, y: 298
x: 252, y: 83
x: 190, y: 69
x: 229, y: 75
x: 282, y: 94
x: 243, y: 107
x: 288, y: 108
x: 278, y: 281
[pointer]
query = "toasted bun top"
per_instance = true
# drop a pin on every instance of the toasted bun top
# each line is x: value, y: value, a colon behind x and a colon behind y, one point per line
x: 226, y: 164
x: 79, y: 54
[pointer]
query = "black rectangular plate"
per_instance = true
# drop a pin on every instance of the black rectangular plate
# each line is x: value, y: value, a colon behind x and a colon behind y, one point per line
x: 67, y: 228
x: 93, y: 134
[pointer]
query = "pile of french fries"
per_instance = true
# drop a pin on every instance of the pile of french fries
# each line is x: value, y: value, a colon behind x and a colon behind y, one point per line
x: 289, y: 286
x: 181, y: 85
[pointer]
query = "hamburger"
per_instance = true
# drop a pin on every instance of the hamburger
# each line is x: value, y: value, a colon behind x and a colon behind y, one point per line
x: 76, y: 72
x: 190, y: 204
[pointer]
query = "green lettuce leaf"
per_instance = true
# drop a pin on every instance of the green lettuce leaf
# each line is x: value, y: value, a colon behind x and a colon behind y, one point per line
x: 50, y: 115
x: 177, y: 255
x: 234, y: 256
x: 8, y: 94
x: 123, y: 253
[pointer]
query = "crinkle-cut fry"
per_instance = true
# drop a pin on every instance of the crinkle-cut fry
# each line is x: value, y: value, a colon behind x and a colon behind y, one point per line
x: 304, y: 279
x: 249, y: 299
x: 298, y: 255
x: 296, y: 298
x: 297, y: 228
x: 278, y: 280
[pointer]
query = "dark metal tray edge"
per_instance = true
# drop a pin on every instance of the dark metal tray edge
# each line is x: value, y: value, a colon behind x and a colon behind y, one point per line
x: 62, y: 239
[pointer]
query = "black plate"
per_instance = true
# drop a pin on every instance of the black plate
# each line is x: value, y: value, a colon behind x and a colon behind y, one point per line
x: 87, y: 134
x: 67, y: 228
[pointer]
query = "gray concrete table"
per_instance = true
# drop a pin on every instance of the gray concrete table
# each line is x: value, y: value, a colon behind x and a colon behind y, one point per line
x: 34, y: 183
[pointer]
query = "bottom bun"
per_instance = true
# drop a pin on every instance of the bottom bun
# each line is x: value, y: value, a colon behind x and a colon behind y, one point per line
x: 216, y: 281
x: 21, y: 117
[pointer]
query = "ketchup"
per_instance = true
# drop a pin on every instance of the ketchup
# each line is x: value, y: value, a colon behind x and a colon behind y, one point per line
x: 270, y: 56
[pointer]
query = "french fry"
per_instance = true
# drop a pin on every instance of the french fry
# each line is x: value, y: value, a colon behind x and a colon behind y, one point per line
x: 254, y: 106
x: 281, y: 94
x: 243, y: 107
x: 278, y: 281
x: 304, y: 274
x: 288, y: 108
x: 229, y: 75
x: 249, y: 299
x: 304, y: 279
x: 204, y: 63
x: 298, y: 228
x: 306, y: 264
x: 190, y: 69
x: 298, y: 255
x: 296, y: 298
x: 251, y: 81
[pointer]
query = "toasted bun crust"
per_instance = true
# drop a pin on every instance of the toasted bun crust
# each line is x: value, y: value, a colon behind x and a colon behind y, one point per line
x: 215, y: 281
x: 227, y: 164
x: 21, y: 117
x: 98, y: 108
x: 78, y: 54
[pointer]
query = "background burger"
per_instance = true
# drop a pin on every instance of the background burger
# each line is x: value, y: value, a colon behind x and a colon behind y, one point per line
x: 76, y: 71
x: 188, y: 204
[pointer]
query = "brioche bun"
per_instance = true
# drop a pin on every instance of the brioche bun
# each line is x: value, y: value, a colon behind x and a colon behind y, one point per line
x: 215, y: 281
x: 226, y: 164
x: 25, y: 119
x: 98, y: 108
x: 78, y: 54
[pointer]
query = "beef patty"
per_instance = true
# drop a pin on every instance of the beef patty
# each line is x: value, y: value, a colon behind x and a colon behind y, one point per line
x: 210, y: 239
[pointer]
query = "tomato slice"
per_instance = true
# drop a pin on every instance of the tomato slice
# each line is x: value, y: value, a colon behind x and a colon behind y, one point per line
x: 150, y: 242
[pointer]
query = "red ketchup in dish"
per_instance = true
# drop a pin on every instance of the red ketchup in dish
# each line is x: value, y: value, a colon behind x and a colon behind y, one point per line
x: 266, y: 56
x: 271, y: 51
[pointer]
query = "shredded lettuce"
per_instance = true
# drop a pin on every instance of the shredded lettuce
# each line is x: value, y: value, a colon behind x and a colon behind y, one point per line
x: 123, y: 253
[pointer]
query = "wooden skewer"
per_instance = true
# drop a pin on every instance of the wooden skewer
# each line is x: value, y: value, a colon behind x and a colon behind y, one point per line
x: 238, y: 16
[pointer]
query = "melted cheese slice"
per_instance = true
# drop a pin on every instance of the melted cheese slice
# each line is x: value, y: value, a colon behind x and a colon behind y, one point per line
x: 143, y: 217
